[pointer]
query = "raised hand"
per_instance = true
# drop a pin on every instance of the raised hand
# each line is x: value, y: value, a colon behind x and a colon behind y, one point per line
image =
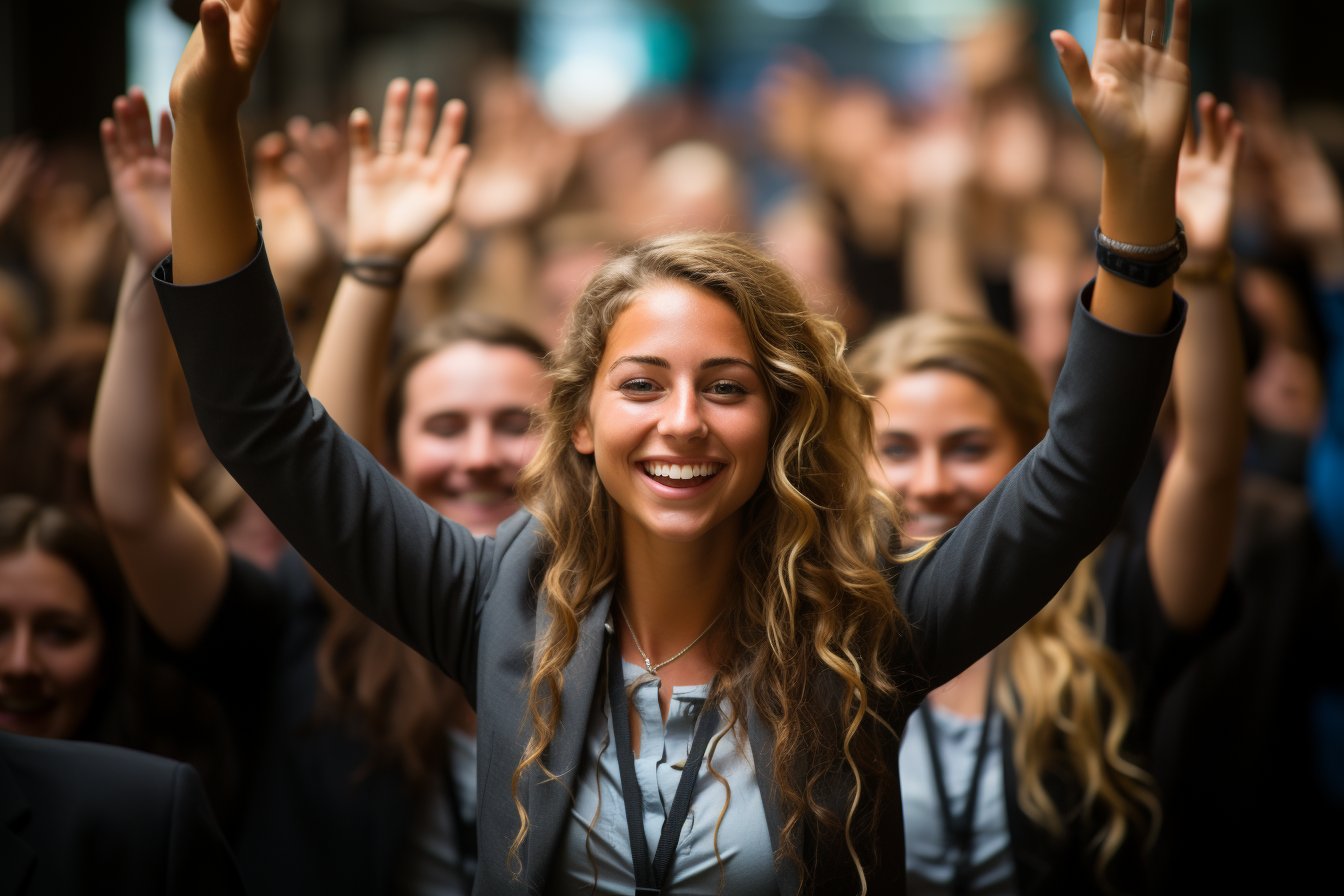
x: 20, y: 159
x: 319, y: 163
x: 214, y: 73
x: 403, y: 188
x: 1134, y: 96
x: 521, y: 162
x: 295, y: 243
x: 138, y: 171
x: 1206, y: 180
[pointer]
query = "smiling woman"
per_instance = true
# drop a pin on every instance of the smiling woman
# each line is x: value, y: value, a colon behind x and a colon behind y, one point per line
x: 763, y: 588
x: 63, y: 617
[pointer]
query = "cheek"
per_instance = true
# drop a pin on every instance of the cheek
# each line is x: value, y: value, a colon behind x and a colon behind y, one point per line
x: 425, y: 458
x: 76, y: 668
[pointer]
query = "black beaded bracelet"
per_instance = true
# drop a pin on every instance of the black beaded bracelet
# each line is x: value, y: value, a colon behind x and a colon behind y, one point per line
x: 385, y: 272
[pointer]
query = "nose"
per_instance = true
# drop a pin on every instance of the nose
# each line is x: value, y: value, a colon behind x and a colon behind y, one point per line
x: 683, y: 417
x: 929, y: 479
x: 18, y: 654
x: 480, y: 450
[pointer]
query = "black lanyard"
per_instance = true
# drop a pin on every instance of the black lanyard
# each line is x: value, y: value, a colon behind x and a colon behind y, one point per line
x: 649, y: 878
x: 959, y: 830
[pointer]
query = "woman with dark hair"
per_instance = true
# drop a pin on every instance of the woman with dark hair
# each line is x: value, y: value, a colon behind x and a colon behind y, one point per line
x: 702, y: 550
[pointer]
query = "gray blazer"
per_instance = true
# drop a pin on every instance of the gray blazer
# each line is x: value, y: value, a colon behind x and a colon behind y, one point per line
x: 469, y: 604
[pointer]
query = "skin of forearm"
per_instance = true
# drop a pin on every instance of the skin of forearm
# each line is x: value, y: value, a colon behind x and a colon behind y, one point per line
x: 347, y: 368
x: 214, y: 226
x: 1208, y: 384
x: 131, y: 440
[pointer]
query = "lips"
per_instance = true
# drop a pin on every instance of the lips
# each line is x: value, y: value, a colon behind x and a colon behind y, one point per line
x: 25, y: 704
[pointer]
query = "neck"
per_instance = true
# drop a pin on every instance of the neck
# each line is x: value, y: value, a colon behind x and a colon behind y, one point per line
x: 670, y: 593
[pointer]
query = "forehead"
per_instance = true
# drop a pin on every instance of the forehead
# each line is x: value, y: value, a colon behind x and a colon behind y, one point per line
x: 935, y: 400
x: 33, y: 581
x: 673, y: 319
x: 474, y: 377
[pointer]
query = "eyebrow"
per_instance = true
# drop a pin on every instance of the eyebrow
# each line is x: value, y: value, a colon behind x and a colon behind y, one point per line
x: 655, y: 361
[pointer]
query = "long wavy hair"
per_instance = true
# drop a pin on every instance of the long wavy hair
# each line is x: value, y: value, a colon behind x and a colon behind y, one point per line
x: 811, y: 639
x: 1066, y: 694
x: 396, y: 697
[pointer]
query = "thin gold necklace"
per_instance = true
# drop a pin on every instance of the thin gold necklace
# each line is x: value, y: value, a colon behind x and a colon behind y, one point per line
x: 649, y: 664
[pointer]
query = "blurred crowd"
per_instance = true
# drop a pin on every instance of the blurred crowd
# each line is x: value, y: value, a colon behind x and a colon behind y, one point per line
x: 979, y: 202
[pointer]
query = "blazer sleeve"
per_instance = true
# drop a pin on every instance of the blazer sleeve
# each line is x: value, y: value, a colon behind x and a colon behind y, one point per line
x: 199, y: 861
x: 421, y: 577
x: 1011, y: 554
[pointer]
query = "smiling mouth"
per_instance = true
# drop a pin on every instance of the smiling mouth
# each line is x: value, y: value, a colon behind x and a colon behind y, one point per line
x: 682, y: 475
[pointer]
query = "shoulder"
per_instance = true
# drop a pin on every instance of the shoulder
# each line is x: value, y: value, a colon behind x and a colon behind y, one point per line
x: 90, y: 812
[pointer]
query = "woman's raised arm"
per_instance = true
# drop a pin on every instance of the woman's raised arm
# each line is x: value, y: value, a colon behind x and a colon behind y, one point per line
x: 1194, y: 517
x: 1135, y: 100
x: 401, y: 190
x: 214, y: 230
x: 174, y: 558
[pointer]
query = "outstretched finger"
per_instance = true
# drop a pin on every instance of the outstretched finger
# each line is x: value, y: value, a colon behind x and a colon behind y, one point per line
x: 1111, y: 20
x: 424, y: 102
x: 215, y: 31
x: 360, y: 130
x: 138, y: 122
x: 1210, y: 137
x: 268, y: 156
x: 1155, y: 23
x: 1134, y: 10
x: 1073, y: 61
x: 107, y: 136
x: 394, y: 116
x: 1179, y: 44
x: 1233, y: 139
x: 449, y: 133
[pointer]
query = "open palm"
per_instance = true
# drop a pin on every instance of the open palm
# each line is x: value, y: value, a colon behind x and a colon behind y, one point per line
x: 215, y: 70
x: 402, y: 189
x: 138, y: 172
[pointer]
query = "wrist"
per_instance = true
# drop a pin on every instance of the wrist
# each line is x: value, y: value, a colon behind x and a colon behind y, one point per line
x: 1138, y: 207
x: 385, y: 272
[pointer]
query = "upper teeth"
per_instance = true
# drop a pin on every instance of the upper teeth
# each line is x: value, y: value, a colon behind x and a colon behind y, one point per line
x: 681, y: 471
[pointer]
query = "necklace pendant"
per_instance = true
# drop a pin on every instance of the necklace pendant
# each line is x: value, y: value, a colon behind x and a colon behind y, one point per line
x: 648, y: 665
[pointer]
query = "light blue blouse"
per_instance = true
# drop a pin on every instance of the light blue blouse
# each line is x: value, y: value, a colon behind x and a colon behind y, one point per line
x: 928, y: 858
x: 596, y: 842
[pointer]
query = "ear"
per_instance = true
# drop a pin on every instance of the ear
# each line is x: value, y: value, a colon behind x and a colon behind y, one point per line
x: 582, y: 437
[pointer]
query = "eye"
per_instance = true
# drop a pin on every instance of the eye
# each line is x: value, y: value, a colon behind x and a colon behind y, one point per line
x: 895, y: 451
x: 513, y: 423
x: 726, y: 389
x: 970, y: 450
x: 639, y: 386
x: 445, y: 425
x: 61, y: 634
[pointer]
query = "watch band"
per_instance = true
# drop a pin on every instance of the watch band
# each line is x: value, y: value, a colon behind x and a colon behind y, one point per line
x: 1148, y: 272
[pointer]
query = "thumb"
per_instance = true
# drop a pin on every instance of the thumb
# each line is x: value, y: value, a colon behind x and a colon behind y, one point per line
x: 215, y: 29
x: 1073, y: 61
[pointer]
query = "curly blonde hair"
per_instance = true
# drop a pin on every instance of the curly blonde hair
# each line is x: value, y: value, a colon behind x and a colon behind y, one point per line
x: 1066, y: 694
x: 810, y: 641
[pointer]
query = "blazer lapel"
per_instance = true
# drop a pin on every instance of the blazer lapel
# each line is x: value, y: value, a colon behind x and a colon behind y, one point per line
x: 548, y: 802
x: 16, y: 856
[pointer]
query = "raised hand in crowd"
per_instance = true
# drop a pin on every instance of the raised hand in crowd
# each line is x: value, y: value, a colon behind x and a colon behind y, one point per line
x: 174, y: 558
x: 303, y: 258
x: 318, y: 161
x: 20, y: 159
x: 1194, y: 517
x: 1133, y: 97
x: 403, y: 187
